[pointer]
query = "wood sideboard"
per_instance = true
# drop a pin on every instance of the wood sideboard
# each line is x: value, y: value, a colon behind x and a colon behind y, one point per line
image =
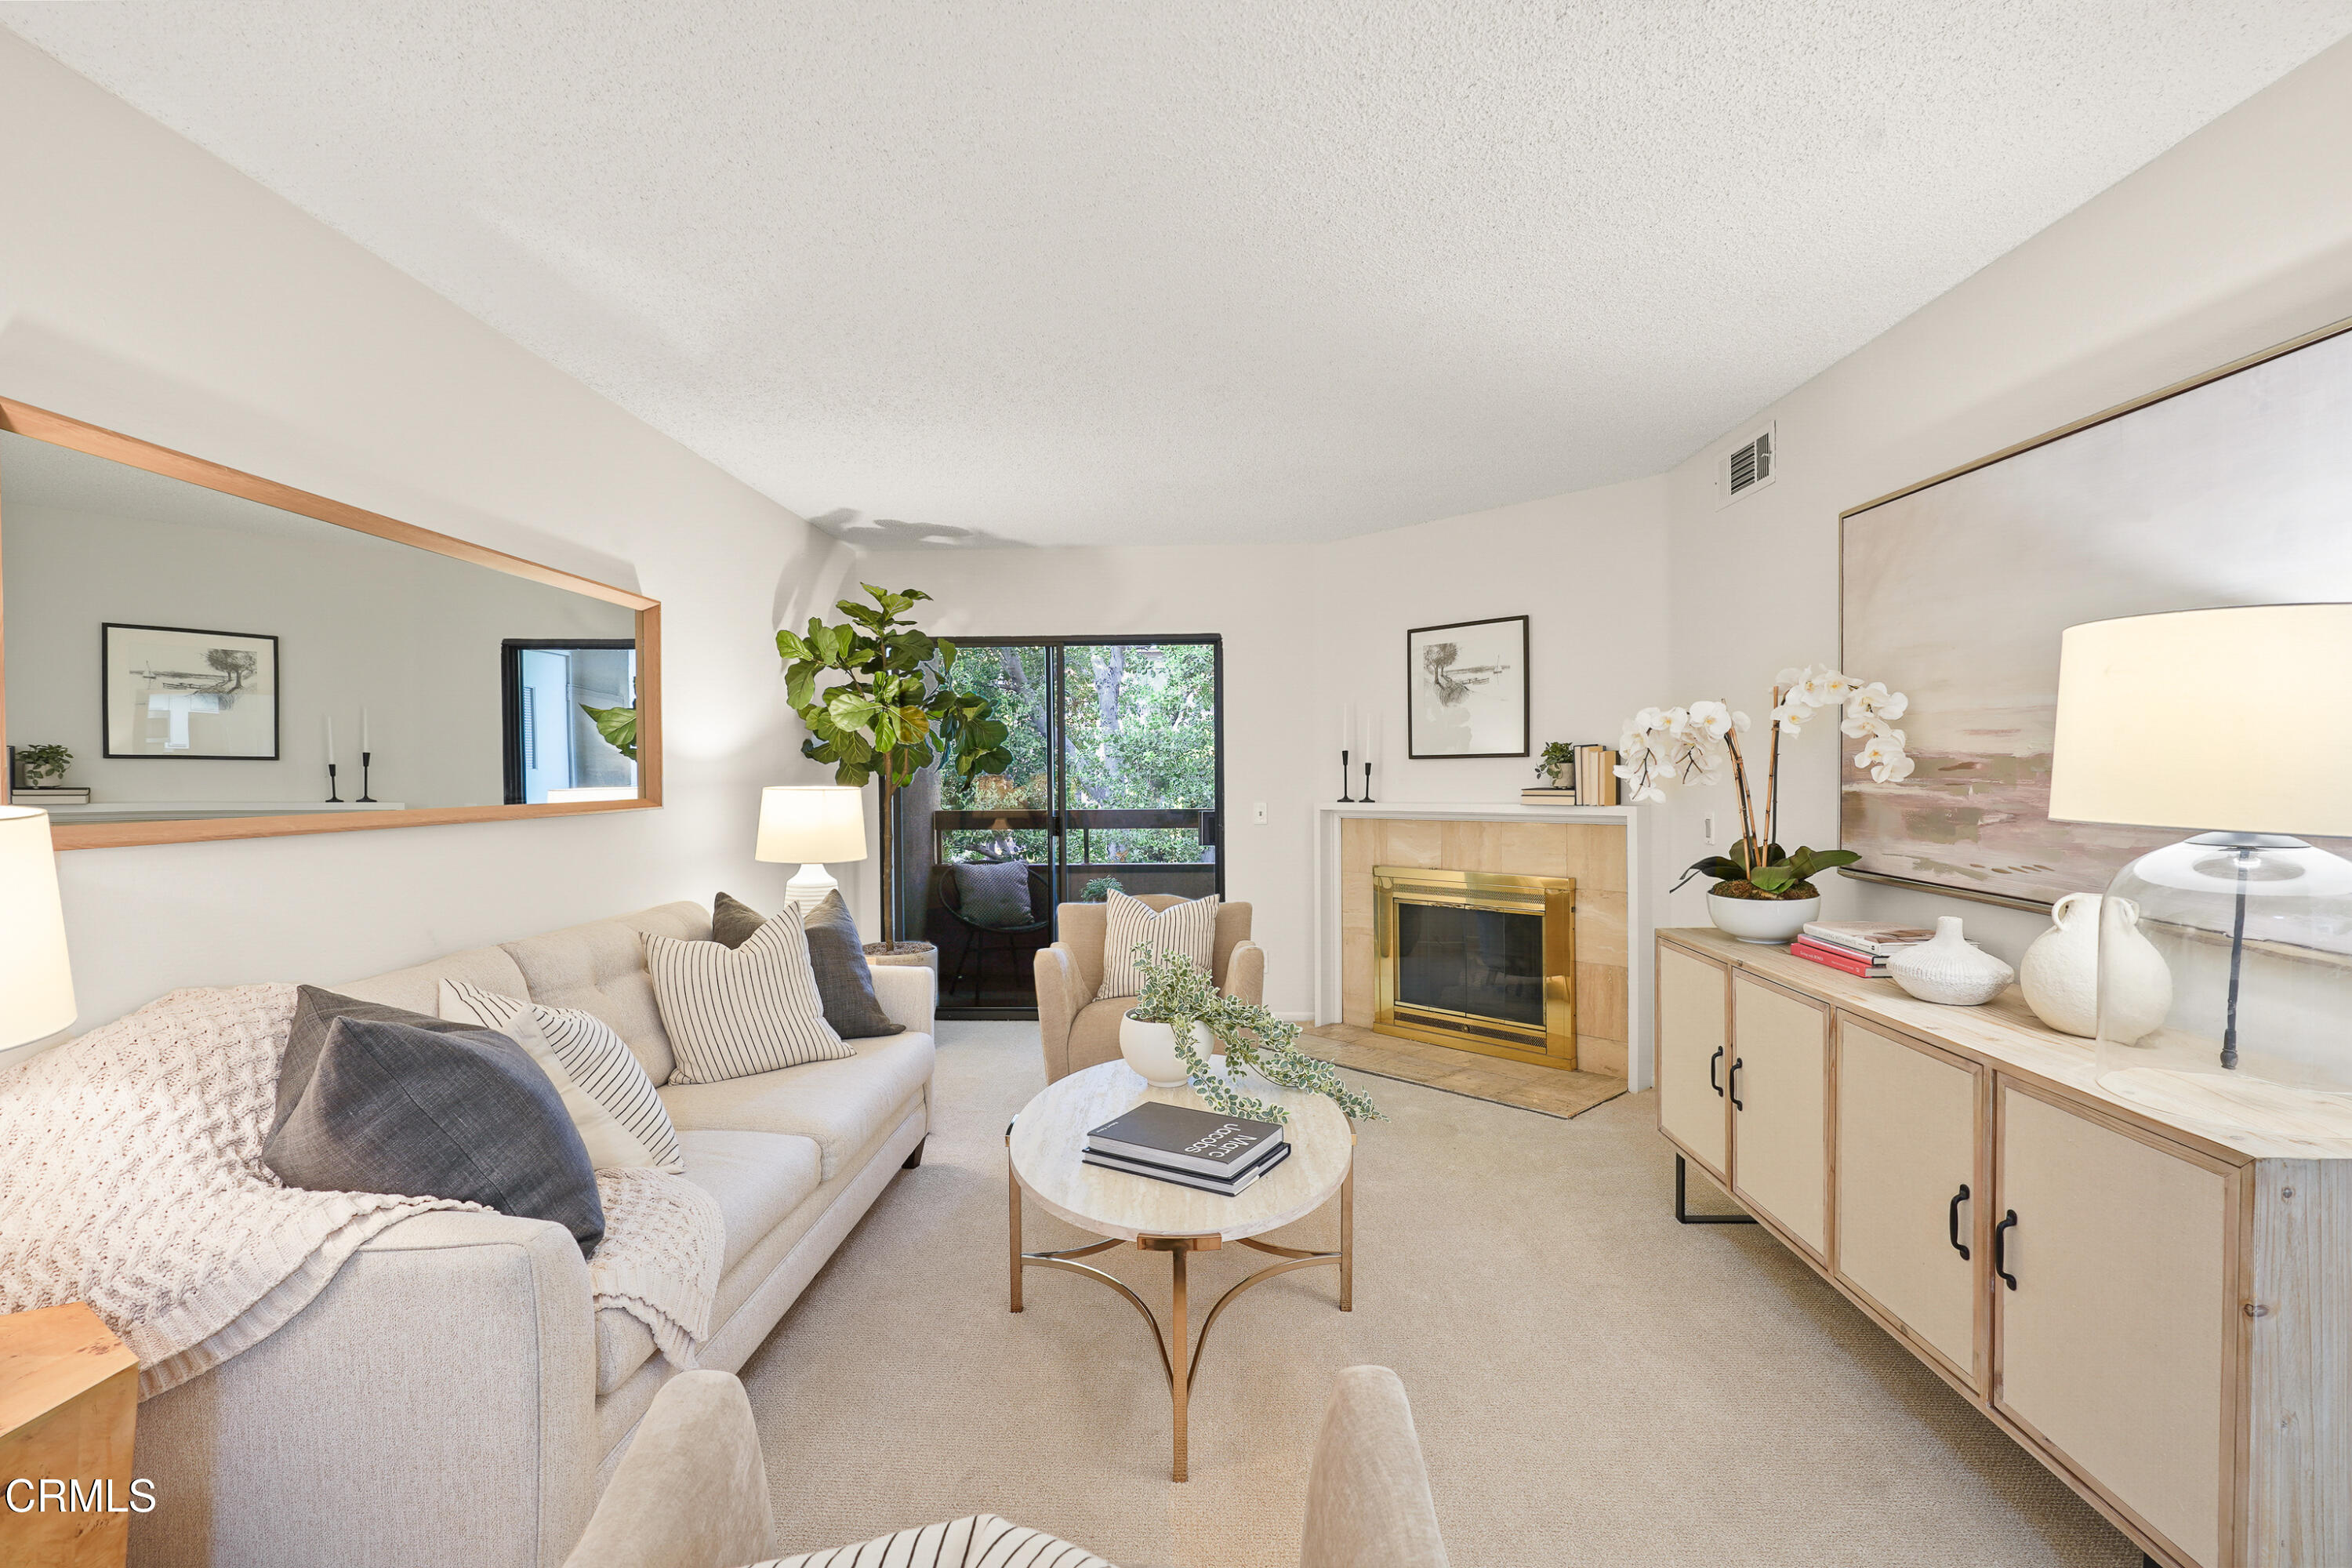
x: 2159, y: 1312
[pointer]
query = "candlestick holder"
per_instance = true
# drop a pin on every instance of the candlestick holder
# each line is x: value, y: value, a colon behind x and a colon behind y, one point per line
x: 366, y: 758
x: 332, y: 797
x: 1347, y: 780
x: 1368, y: 785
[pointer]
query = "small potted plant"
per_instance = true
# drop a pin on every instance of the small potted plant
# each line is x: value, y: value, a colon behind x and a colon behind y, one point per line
x: 1556, y: 766
x: 1181, y: 1018
x: 1762, y: 893
x: 43, y: 765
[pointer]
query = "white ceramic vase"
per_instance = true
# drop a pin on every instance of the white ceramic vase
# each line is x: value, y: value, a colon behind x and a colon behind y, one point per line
x: 2060, y: 973
x: 1762, y: 920
x: 1151, y: 1050
x: 1949, y: 970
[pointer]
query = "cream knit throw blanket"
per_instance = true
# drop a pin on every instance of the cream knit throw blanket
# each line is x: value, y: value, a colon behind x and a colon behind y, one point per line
x: 130, y: 1178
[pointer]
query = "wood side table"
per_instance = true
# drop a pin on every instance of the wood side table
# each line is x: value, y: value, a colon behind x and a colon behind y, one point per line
x: 1043, y: 1149
x: 68, y: 1401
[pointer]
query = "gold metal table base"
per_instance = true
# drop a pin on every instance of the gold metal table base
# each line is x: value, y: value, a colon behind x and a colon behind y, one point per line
x: 1182, y: 1369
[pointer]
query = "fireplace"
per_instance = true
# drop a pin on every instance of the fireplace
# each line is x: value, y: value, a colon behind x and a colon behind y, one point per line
x: 1478, y: 961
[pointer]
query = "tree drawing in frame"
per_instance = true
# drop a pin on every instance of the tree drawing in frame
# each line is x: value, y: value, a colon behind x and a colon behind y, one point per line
x: 177, y: 691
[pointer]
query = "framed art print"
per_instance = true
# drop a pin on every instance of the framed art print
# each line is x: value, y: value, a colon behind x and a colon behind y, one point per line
x: 173, y: 692
x: 1466, y: 689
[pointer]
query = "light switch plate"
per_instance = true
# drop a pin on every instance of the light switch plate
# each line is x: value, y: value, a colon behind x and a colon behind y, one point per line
x: 1258, y: 812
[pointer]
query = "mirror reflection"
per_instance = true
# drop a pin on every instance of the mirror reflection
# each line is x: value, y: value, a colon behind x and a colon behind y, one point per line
x: 175, y: 652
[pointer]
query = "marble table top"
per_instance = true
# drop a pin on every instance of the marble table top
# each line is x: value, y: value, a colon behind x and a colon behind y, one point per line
x: 1050, y: 1134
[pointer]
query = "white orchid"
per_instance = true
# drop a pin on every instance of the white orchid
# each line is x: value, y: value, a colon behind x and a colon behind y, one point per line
x: 1695, y: 744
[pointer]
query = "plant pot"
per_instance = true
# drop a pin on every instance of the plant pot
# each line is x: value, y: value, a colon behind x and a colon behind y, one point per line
x: 1151, y: 1050
x: 1762, y: 920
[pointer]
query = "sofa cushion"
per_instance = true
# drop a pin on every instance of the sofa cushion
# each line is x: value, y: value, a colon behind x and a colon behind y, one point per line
x: 315, y: 1012
x: 603, y: 1085
x: 600, y: 968
x: 844, y: 982
x: 739, y: 1011
x: 429, y: 1112
x: 758, y: 1179
x: 983, y: 1540
x: 843, y: 1104
x: 1187, y: 929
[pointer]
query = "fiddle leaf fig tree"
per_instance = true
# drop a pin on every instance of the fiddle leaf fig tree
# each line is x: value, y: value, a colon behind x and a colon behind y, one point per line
x: 892, y: 712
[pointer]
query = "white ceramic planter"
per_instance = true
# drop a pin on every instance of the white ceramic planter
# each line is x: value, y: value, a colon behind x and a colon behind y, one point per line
x: 1949, y: 970
x: 1151, y: 1050
x: 1762, y: 920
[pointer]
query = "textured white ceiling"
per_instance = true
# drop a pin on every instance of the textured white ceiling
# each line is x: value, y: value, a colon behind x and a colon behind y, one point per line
x: 1067, y: 271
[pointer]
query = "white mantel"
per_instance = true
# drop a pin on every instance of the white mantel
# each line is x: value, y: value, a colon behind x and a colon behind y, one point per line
x: 1640, y: 921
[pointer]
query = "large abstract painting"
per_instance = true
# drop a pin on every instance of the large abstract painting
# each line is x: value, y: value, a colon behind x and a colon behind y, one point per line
x: 2234, y: 490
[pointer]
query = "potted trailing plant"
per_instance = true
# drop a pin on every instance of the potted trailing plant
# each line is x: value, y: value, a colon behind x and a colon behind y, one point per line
x: 1557, y: 766
x: 893, y: 712
x: 43, y: 764
x: 1180, y: 1017
x: 1762, y: 893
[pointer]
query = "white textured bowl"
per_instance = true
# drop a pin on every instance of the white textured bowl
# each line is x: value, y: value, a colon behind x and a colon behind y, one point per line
x: 1762, y: 920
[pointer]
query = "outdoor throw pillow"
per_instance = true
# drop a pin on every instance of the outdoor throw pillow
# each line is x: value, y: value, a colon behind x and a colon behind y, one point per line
x: 612, y: 1101
x: 844, y: 983
x: 996, y: 894
x: 437, y: 1113
x: 315, y: 1012
x: 1189, y: 928
x: 730, y: 1013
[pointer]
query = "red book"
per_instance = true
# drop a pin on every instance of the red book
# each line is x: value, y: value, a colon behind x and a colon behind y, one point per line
x: 1831, y: 958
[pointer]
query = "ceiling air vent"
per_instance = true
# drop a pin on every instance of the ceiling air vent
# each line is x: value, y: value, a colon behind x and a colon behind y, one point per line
x: 1746, y: 467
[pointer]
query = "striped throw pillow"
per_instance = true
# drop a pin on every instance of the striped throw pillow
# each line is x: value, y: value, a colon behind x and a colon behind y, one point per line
x: 623, y: 1122
x: 733, y: 1011
x: 1188, y: 928
x: 983, y: 1541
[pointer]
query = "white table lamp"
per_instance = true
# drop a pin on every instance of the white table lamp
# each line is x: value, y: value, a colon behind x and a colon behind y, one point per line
x: 2229, y: 721
x: 811, y: 825
x: 37, y: 995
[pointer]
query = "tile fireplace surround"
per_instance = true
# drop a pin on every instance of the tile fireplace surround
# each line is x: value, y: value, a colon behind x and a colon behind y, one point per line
x: 1603, y: 847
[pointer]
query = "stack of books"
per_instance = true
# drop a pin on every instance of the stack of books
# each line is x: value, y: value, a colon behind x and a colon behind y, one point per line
x: 1191, y: 1148
x: 1857, y: 947
x: 1592, y: 780
x: 49, y: 795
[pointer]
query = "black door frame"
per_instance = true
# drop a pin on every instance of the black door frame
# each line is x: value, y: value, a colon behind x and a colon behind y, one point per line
x: 1057, y: 775
x: 510, y: 652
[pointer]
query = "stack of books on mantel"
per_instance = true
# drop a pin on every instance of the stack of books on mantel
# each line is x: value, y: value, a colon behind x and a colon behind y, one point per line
x: 1857, y: 947
x: 49, y: 795
x: 1191, y: 1148
x: 1592, y: 780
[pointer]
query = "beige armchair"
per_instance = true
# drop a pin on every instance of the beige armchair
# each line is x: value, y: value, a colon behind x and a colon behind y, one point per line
x: 1078, y: 1031
x: 692, y: 1490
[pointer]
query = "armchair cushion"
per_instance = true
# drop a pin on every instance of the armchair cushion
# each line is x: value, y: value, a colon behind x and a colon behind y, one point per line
x: 983, y: 1540
x: 1188, y: 927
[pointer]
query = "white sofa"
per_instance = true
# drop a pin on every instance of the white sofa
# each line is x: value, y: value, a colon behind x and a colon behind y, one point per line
x: 451, y: 1396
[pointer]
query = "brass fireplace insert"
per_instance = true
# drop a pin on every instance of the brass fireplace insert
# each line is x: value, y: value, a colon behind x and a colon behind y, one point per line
x: 1476, y: 960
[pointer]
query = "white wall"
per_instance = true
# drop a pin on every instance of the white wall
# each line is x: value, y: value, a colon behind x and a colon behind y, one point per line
x: 149, y: 289
x: 2238, y: 238
x: 1308, y: 628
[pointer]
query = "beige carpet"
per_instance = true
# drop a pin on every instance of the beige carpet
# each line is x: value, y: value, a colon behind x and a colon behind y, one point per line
x: 1594, y: 1384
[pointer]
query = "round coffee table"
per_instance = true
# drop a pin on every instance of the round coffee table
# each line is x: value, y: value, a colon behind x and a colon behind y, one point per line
x: 1044, y: 1148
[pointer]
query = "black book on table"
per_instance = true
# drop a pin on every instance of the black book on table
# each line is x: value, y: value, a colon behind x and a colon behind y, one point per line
x: 1179, y: 1137
x: 1228, y: 1185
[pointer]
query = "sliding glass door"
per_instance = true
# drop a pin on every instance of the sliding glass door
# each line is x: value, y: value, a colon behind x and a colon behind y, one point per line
x: 1117, y: 782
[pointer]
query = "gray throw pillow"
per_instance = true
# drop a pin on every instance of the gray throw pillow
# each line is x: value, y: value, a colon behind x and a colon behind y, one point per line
x: 437, y: 1113
x: 315, y: 1012
x: 844, y: 982
x: 995, y: 895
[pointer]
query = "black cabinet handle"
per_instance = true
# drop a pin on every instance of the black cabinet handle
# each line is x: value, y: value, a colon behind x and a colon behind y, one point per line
x: 1714, y: 1079
x: 2001, y: 1249
x: 1737, y: 1063
x: 1958, y: 1199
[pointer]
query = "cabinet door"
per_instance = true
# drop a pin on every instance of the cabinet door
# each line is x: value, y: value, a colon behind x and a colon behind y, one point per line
x: 2113, y: 1346
x: 1778, y: 1090
x: 1692, y: 1037
x: 1909, y: 1192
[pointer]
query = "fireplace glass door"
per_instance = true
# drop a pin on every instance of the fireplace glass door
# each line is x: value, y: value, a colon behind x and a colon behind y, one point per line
x: 1477, y: 961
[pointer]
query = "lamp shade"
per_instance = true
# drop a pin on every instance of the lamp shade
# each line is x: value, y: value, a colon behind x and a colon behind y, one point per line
x: 37, y: 995
x: 2218, y: 719
x: 812, y: 823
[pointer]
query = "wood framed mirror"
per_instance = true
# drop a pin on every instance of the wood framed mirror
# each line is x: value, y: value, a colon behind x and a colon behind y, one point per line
x: 206, y: 644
